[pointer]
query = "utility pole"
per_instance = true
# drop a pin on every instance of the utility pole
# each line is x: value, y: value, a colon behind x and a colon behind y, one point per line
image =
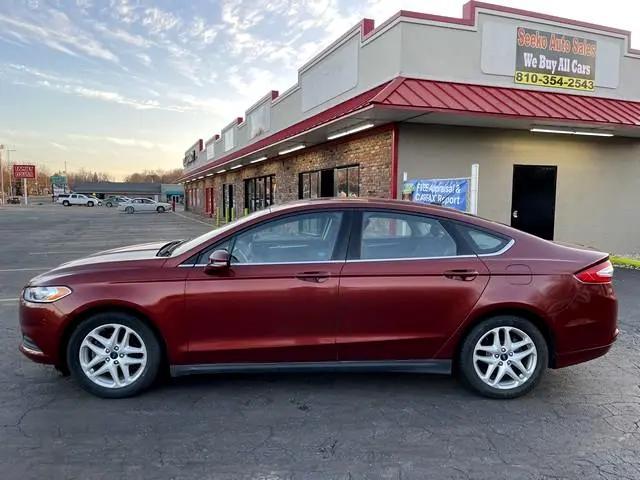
x: 10, y: 167
x: 2, y: 199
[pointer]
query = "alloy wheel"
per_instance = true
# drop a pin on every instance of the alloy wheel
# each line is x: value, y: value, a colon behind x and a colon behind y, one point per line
x: 505, y: 358
x: 112, y: 356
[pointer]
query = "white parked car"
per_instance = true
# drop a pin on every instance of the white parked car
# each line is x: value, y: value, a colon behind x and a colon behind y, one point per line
x: 79, y: 199
x: 144, y: 205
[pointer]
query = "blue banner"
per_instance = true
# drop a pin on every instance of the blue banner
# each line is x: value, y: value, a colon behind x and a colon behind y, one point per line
x: 448, y: 192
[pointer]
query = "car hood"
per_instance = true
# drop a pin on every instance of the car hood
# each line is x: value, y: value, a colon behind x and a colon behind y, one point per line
x: 121, y: 257
x: 139, y: 247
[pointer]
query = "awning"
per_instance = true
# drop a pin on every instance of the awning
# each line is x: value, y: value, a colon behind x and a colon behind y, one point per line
x: 435, y: 96
x: 408, y: 99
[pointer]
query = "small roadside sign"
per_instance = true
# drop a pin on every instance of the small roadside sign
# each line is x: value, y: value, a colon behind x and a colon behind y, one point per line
x: 24, y: 171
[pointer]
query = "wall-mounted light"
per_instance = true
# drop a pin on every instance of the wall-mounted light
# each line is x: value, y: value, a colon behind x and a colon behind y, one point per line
x: 235, y: 166
x: 344, y: 133
x: 209, y: 175
x: 222, y: 171
x: 571, y: 132
x: 200, y: 177
x: 292, y: 149
x: 261, y: 159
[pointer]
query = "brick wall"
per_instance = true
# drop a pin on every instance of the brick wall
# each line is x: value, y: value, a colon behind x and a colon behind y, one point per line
x: 372, y: 152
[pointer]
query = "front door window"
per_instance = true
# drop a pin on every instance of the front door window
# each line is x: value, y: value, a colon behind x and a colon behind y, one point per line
x: 309, y: 237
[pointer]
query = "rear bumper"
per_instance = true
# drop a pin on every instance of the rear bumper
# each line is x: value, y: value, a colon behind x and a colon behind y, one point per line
x: 579, y: 356
x: 587, y: 328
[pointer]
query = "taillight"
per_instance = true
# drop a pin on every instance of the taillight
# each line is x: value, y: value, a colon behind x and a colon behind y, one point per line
x: 600, y: 273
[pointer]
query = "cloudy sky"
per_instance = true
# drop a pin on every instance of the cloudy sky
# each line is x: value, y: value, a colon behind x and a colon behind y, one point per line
x: 126, y: 85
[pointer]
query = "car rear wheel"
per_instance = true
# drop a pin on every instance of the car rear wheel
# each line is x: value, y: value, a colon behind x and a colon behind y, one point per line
x: 89, y: 204
x: 109, y: 204
x: 129, y: 209
x: 66, y: 203
x: 113, y: 355
x: 160, y: 209
x: 503, y: 357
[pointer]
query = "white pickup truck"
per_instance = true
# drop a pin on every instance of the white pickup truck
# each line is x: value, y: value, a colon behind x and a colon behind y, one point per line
x: 79, y: 199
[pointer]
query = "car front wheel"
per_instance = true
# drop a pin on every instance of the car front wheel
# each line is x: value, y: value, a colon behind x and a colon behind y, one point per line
x: 109, y: 204
x: 129, y: 209
x: 160, y: 209
x: 66, y: 203
x: 89, y: 204
x: 503, y: 357
x: 113, y: 355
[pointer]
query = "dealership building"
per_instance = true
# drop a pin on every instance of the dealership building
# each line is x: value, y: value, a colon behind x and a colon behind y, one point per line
x: 544, y: 111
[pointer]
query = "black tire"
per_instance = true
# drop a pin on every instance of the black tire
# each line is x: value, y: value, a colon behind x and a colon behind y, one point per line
x: 151, y: 369
x: 160, y: 209
x: 89, y: 204
x: 66, y: 203
x: 109, y: 204
x: 129, y: 210
x: 466, y: 363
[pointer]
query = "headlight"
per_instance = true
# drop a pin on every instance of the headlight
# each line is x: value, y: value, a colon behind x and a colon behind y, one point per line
x: 45, y: 294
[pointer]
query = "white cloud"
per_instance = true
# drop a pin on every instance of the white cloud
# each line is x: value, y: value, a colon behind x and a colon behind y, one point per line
x: 57, y: 32
x: 59, y: 146
x: 123, y: 11
x: 144, y: 58
x: 127, y: 142
x: 123, y: 36
x: 158, y: 21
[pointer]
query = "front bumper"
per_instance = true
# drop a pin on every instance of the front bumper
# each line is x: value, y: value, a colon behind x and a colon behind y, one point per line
x: 42, y: 327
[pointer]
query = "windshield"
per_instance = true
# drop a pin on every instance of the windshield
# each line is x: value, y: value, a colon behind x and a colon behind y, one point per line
x: 194, y: 242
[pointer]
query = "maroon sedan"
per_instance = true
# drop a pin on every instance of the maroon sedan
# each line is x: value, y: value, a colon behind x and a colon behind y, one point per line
x: 327, y: 284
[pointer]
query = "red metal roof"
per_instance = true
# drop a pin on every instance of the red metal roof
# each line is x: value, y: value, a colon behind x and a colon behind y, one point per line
x: 512, y: 102
x: 435, y: 96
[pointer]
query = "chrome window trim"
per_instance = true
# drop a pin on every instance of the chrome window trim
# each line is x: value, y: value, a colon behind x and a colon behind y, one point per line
x: 509, y: 244
x: 504, y: 249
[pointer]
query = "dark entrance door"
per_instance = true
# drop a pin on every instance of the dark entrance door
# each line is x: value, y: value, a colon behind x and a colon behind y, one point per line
x: 533, y: 201
x: 326, y: 183
x: 227, y: 202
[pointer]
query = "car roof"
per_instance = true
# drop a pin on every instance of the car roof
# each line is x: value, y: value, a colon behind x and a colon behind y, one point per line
x: 365, y: 202
x: 390, y: 204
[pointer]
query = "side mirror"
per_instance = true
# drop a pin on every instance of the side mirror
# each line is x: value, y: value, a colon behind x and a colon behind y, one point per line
x: 219, y: 260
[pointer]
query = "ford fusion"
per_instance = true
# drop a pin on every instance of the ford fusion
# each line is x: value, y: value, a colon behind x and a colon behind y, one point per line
x: 342, y: 284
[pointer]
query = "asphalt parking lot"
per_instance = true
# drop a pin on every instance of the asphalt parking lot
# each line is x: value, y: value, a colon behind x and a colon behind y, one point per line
x: 581, y: 422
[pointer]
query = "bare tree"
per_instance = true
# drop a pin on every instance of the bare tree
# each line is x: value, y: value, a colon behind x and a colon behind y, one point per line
x: 155, y: 176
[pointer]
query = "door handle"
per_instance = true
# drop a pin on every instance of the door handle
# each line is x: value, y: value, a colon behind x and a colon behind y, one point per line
x: 315, y: 277
x: 464, y: 275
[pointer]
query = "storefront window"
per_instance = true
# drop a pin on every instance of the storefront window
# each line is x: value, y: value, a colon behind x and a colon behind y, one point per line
x: 309, y: 185
x: 259, y: 192
x: 333, y: 182
x: 347, y: 181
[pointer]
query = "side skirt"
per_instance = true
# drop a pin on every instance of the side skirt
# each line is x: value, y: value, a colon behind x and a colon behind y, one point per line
x: 442, y: 367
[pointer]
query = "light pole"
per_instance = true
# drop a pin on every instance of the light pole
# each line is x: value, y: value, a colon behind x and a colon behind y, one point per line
x: 1, y: 178
x: 9, y: 150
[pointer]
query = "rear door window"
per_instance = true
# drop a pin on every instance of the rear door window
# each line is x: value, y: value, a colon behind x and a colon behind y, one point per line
x: 391, y: 235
